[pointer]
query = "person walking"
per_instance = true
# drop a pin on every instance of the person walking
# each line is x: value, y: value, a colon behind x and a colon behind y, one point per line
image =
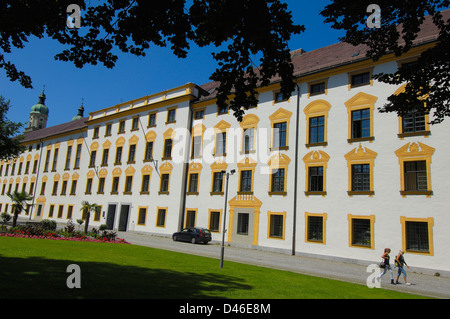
x: 400, y: 263
x: 387, y: 265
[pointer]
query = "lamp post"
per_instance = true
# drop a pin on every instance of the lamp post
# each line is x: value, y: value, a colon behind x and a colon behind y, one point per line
x: 222, y: 251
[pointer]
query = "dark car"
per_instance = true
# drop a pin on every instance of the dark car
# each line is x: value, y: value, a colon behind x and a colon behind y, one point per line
x: 193, y: 235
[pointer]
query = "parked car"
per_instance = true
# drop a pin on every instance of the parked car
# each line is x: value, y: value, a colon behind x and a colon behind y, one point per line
x: 193, y: 235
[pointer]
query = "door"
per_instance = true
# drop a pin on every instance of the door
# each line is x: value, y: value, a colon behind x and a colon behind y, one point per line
x: 111, y: 217
x: 123, y: 221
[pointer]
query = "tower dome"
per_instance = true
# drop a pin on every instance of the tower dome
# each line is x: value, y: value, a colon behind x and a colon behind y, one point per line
x: 80, y: 114
x: 40, y: 107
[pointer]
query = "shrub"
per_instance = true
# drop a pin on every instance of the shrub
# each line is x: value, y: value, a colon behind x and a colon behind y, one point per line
x: 48, y: 224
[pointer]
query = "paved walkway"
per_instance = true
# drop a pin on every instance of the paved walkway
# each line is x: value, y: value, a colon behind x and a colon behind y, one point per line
x: 427, y: 285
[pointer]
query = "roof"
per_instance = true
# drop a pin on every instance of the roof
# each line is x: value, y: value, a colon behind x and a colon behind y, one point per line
x: 68, y: 127
x: 336, y: 55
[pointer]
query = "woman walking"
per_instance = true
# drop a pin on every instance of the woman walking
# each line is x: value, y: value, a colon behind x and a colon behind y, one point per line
x: 387, y: 265
x: 400, y: 263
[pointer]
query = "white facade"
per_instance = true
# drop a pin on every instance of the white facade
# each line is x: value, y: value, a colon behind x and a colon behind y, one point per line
x: 333, y: 219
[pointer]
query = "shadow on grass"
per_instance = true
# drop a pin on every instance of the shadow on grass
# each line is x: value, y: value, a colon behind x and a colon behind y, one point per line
x: 42, y: 278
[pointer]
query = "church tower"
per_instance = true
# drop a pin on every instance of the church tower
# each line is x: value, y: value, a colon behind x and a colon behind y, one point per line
x: 38, y: 115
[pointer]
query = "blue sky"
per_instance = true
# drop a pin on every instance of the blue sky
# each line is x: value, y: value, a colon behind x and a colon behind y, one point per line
x: 132, y: 77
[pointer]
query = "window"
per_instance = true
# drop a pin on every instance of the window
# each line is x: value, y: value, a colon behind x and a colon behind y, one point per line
x: 68, y: 155
x: 317, y: 88
x: 415, y: 169
x: 315, y: 231
x: 190, y: 218
x: 198, y: 115
x: 161, y: 217
x: 278, y: 176
x: 361, y: 231
x: 105, y: 157
x: 96, y: 132
x: 101, y: 185
x: 361, y: 177
x: 243, y: 223
x: 221, y: 142
x: 167, y: 149
x: 27, y: 167
x: 60, y: 211
x: 151, y: 120
x: 214, y: 221
x: 164, y: 183
x: 69, y: 212
x: 55, y: 160
x: 315, y: 179
x: 218, y: 182
x: 317, y: 129
x: 135, y: 123
x: 278, y: 96
x: 413, y: 122
x: 51, y: 211
x: 171, y: 113
x: 108, y: 129
x: 55, y: 188
x: 193, y: 183
x: 142, y: 215
x: 148, y: 151
x: 415, y: 176
x: 128, y: 185
x: 276, y: 225
x: 222, y: 109
x: 115, y: 185
x: 360, y: 117
x: 47, y: 161
x: 121, y: 127
x: 73, y: 188
x: 88, y: 186
x: 246, y: 181
x: 77, y: 157
x: 361, y: 123
x: 42, y: 188
x: 279, y: 135
x: 35, y: 164
x: 418, y: 235
x: 360, y: 79
x: 248, y: 140
x: 118, y: 159
x: 64, y: 188
x: 360, y: 163
x: 131, y: 154
x: 92, y: 159
x: 196, y: 146
x: 145, y: 184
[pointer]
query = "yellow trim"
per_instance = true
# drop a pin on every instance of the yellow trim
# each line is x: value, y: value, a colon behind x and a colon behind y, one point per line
x: 360, y: 71
x: 311, y: 83
x: 216, y: 167
x: 269, y: 214
x: 221, y: 127
x: 138, y: 217
x: 371, y: 218
x: 194, y: 168
x: 186, y: 214
x: 249, y: 121
x: 166, y: 168
x: 358, y: 102
x: 247, y: 164
x: 324, y: 228
x: 281, y: 115
x: 278, y: 161
x: 316, y: 159
x: 166, y: 209
x: 245, y: 201
x: 430, y: 223
x: 360, y: 155
x: 197, y: 130
x: 220, y: 211
x: 315, y: 109
x: 415, y: 152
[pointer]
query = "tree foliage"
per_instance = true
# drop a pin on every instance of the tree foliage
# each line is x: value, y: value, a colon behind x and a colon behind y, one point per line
x: 19, y: 202
x: 400, y: 23
x: 247, y: 28
x: 9, y: 144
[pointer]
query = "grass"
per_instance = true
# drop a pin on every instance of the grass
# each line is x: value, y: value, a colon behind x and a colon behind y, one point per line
x: 36, y: 268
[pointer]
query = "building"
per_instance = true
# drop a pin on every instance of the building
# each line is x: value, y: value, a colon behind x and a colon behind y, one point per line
x: 322, y: 173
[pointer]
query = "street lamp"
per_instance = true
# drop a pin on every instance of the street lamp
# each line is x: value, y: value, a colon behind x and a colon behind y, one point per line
x: 225, y: 216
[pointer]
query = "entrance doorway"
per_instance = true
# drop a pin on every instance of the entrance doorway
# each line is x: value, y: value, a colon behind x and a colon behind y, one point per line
x: 123, y: 220
x: 111, y: 217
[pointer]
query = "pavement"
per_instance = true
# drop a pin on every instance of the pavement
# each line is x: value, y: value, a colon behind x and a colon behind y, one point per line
x: 421, y: 284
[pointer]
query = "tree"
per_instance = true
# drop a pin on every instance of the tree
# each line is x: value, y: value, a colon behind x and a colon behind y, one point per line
x: 9, y: 147
x: 400, y: 23
x: 248, y: 28
x: 88, y: 208
x: 19, y: 201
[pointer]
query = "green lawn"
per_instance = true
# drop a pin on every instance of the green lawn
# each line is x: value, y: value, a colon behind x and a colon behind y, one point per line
x: 36, y: 268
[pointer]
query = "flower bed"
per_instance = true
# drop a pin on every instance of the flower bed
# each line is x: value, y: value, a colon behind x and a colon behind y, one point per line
x: 39, y: 231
